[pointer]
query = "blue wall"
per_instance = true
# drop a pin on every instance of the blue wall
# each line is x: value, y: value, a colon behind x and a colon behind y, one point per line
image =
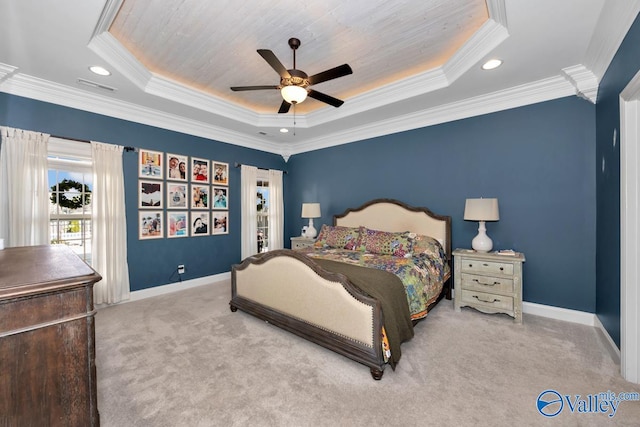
x: 151, y: 262
x: 623, y: 67
x: 537, y: 160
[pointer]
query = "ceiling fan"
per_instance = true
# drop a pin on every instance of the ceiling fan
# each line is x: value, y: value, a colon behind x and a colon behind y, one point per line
x: 294, y: 83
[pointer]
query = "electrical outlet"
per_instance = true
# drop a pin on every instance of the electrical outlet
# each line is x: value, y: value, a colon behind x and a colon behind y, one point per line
x: 181, y: 269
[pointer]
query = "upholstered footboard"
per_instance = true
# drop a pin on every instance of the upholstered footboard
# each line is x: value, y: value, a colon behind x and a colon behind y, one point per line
x: 286, y: 288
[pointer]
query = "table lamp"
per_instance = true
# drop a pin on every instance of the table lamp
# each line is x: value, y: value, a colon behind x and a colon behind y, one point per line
x: 310, y: 210
x: 481, y: 210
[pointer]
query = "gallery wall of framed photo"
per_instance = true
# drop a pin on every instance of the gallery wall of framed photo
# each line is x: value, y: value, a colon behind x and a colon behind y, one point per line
x: 181, y: 196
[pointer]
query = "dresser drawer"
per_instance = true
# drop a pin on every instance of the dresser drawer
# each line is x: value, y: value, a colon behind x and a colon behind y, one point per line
x: 487, y: 267
x: 483, y: 299
x: 487, y: 283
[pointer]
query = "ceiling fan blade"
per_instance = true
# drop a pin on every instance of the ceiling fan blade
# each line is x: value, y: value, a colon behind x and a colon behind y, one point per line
x: 325, y: 98
x: 284, y: 107
x: 334, y: 73
x: 275, y: 63
x: 241, y: 88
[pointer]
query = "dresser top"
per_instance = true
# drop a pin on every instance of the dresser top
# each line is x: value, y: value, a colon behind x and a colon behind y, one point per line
x: 34, y: 269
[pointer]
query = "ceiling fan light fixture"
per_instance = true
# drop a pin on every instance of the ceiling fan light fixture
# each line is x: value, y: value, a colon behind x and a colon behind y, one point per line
x: 294, y: 94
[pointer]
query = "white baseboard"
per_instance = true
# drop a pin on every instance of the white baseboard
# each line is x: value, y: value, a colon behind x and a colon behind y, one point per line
x: 608, y: 338
x: 173, y: 287
x: 558, y: 313
x: 575, y: 316
x: 178, y: 286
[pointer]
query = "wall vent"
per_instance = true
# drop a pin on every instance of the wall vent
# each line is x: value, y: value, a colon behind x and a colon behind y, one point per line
x: 96, y: 85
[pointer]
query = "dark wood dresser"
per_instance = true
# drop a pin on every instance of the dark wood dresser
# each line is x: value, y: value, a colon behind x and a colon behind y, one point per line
x: 47, y: 338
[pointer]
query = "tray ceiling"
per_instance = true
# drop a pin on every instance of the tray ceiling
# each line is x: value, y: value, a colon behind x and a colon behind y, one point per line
x: 415, y: 62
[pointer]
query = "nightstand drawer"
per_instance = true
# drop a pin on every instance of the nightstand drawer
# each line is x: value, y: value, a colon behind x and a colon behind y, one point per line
x: 301, y: 243
x: 487, y: 267
x: 483, y: 299
x: 487, y: 283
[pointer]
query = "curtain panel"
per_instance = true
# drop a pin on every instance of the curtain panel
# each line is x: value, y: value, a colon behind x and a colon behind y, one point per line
x: 109, y: 223
x: 24, y: 187
x: 249, y: 219
x: 276, y: 210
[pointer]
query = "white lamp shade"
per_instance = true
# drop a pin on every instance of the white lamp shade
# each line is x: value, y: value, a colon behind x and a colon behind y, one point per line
x: 311, y: 210
x: 481, y: 210
x: 293, y: 94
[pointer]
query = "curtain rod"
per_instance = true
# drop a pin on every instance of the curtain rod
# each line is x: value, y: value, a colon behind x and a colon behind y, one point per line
x: 264, y: 169
x: 134, y: 149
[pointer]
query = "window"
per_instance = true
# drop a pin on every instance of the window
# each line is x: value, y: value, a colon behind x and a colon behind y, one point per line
x: 262, y: 186
x: 70, y: 187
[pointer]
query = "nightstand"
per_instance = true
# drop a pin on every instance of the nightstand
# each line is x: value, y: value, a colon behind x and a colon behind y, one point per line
x: 488, y: 282
x: 301, y: 242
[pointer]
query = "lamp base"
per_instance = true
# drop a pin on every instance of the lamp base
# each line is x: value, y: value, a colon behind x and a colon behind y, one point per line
x: 482, y: 242
x: 310, y: 232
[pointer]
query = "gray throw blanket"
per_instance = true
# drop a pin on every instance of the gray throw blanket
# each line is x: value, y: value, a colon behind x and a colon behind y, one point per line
x: 387, y: 288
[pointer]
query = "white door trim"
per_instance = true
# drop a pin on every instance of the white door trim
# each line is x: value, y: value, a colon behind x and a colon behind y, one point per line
x: 630, y: 231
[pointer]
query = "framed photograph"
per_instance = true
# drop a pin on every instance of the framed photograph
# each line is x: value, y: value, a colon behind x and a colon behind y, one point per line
x: 199, y: 170
x: 150, y: 225
x: 220, y: 173
x: 220, y: 197
x: 178, y: 224
x: 220, y: 222
x: 150, y: 194
x: 199, y: 196
x: 176, y: 195
x: 150, y: 164
x: 177, y: 166
x: 199, y: 223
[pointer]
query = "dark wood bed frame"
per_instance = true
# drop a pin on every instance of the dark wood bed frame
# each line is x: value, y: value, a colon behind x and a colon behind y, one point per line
x: 258, y: 280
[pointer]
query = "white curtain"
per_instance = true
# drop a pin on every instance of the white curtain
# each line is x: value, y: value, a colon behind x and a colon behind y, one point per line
x: 276, y: 210
x: 249, y: 235
x: 24, y: 188
x: 108, y: 219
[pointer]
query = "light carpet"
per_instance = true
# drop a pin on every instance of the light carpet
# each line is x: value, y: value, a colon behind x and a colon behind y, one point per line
x: 184, y: 359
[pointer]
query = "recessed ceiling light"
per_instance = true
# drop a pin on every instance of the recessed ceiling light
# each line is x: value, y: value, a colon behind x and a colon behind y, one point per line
x: 100, y: 70
x: 491, y: 64
x: 284, y: 130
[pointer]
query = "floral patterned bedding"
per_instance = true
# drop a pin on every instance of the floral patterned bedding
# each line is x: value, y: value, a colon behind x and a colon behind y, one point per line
x: 423, y: 272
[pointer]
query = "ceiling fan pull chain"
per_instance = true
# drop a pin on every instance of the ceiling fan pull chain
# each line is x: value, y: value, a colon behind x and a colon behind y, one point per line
x: 294, y: 118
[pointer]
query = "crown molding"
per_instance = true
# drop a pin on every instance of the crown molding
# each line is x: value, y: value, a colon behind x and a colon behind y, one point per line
x: 46, y: 91
x: 42, y: 90
x: 532, y: 93
x: 613, y: 25
x: 498, y: 11
x: 484, y: 41
x: 6, y: 71
x: 584, y: 81
x: 109, y: 48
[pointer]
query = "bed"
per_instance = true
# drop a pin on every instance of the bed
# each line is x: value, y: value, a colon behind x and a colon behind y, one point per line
x: 358, y: 291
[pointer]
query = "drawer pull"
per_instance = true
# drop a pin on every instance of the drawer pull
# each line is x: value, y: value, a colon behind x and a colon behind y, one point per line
x: 484, y: 300
x: 485, y: 284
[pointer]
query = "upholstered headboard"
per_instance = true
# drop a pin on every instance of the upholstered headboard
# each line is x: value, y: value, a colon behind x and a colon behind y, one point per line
x: 395, y: 216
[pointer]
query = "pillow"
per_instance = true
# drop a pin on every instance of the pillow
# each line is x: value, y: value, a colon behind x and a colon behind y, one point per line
x: 336, y: 236
x: 385, y: 243
x: 427, y: 246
